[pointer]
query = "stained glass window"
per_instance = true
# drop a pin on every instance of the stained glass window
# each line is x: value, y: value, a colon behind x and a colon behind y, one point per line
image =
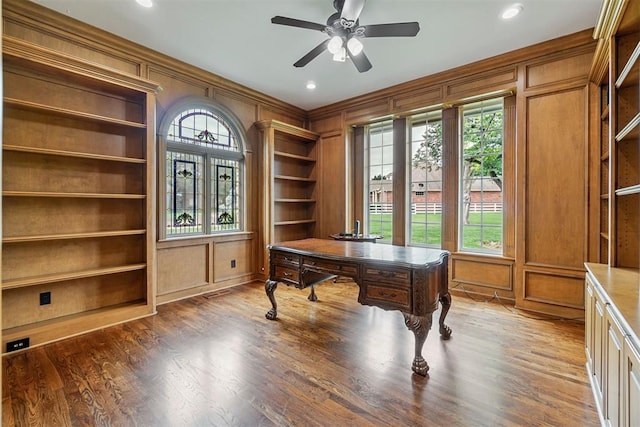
x: 203, y: 170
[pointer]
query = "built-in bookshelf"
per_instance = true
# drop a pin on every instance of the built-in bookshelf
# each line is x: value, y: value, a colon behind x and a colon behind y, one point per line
x: 290, y: 168
x: 625, y: 152
x: 612, y: 319
x: 78, y: 236
x: 604, y: 175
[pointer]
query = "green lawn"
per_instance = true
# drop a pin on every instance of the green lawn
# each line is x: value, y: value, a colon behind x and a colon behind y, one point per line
x: 430, y: 232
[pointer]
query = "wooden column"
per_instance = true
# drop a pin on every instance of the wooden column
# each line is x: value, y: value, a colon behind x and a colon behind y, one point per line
x: 399, y: 181
x: 450, y: 167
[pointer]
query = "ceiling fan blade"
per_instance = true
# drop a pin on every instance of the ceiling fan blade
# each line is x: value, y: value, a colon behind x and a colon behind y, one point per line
x: 361, y: 61
x: 312, y: 54
x: 399, y: 29
x: 292, y: 22
x: 350, y: 12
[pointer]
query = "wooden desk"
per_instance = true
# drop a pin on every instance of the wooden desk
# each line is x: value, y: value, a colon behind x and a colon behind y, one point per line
x: 411, y: 280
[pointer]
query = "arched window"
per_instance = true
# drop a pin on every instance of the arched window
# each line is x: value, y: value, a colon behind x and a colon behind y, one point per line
x: 202, y: 159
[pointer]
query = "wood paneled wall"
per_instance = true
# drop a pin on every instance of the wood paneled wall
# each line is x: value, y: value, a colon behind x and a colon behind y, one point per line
x: 186, y: 266
x: 547, y: 226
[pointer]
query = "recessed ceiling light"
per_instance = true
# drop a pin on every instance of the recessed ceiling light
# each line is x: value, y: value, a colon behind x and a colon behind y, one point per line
x: 311, y: 85
x: 145, y: 3
x: 512, y: 11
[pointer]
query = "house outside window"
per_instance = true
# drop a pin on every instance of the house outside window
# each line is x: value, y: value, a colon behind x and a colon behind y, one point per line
x: 481, y: 163
x: 425, y: 181
x: 379, y: 176
x: 203, y: 174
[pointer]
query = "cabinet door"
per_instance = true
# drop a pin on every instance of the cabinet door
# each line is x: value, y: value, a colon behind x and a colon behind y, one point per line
x: 598, y: 348
x: 589, y: 338
x: 613, y: 365
x: 631, y: 395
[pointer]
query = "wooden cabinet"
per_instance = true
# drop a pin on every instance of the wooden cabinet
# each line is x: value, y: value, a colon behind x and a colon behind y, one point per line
x: 612, y: 328
x: 78, y: 230
x: 612, y: 298
x: 289, y: 192
x: 594, y: 335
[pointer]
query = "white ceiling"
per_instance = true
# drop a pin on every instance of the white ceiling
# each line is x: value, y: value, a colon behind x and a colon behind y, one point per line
x: 236, y: 40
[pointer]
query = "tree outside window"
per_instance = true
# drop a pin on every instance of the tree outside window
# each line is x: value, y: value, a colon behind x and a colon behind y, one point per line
x: 481, y: 143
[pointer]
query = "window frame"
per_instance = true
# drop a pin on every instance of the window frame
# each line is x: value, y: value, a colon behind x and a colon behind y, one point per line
x: 461, y: 182
x: 208, y: 153
x: 384, y: 126
x: 426, y: 117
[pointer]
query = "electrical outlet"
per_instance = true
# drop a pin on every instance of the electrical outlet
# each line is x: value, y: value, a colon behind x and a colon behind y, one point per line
x: 233, y: 263
x: 18, y: 344
x: 45, y: 298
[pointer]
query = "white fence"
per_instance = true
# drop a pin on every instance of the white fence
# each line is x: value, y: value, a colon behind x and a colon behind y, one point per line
x: 434, y: 208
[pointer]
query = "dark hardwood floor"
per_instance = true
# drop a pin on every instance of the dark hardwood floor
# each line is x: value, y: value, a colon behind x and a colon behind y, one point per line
x: 215, y: 360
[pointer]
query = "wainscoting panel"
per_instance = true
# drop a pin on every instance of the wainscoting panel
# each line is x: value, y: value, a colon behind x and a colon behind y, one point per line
x: 490, y: 273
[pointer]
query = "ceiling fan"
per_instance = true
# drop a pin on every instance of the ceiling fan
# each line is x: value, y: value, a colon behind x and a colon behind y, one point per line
x: 344, y: 31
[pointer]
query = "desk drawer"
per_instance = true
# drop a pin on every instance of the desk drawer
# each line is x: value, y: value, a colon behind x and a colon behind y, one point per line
x: 397, y: 276
x: 281, y: 258
x: 338, y: 268
x: 387, y: 296
x: 285, y: 274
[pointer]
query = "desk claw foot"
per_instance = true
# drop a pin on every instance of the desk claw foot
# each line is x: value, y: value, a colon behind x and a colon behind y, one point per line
x: 445, y: 331
x: 271, y: 314
x: 420, y: 366
x: 270, y: 287
x: 312, y: 295
x: 420, y: 326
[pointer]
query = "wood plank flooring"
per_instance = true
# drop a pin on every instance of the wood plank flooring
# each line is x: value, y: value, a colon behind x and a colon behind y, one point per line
x: 215, y: 360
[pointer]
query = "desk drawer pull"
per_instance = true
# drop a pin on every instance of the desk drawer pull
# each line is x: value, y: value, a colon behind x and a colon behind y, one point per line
x: 288, y: 258
x: 285, y: 274
x: 387, y: 294
x: 387, y: 274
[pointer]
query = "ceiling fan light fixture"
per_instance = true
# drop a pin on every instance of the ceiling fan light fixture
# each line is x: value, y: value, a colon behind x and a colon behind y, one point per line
x: 335, y: 45
x: 340, y: 55
x: 355, y: 46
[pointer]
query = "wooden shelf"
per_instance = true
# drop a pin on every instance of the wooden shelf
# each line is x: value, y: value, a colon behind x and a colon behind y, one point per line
x: 46, y: 331
x: 629, y: 74
x: 296, y: 222
x: 294, y: 178
x: 634, y: 189
x: 46, y: 237
x: 9, y: 193
x: 75, y: 154
x: 34, y: 106
x: 294, y: 200
x: 294, y: 156
x: 631, y: 130
x: 52, y: 278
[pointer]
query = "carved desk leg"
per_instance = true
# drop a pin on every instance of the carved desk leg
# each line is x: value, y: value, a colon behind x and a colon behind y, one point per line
x: 420, y: 326
x: 445, y: 300
x: 270, y: 286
